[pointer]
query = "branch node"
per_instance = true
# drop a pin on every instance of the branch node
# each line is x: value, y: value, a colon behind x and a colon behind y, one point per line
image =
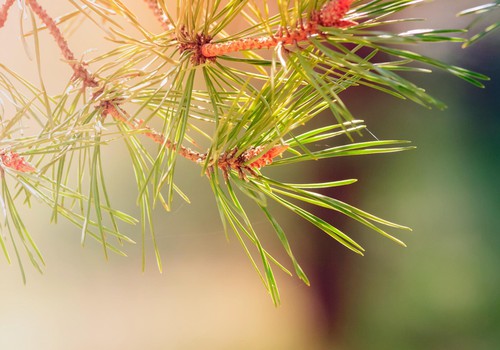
x: 194, y: 44
x: 229, y: 160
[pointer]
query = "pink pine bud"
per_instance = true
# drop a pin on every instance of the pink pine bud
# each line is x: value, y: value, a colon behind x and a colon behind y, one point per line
x: 15, y: 161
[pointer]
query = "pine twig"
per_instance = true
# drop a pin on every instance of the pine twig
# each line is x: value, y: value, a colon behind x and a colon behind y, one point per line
x: 331, y: 15
x: 159, y: 14
x: 227, y: 161
x: 78, y: 67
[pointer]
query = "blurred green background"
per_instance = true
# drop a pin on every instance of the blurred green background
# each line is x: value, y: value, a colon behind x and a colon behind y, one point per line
x: 442, y: 292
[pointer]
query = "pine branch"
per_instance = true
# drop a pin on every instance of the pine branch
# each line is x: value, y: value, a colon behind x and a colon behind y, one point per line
x: 201, y: 85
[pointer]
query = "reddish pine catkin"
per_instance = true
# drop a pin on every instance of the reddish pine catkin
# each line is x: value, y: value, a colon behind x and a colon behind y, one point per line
x: 330, y: 15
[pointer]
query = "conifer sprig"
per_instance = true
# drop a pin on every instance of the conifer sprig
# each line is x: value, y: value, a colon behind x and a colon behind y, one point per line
x: 232, y: 103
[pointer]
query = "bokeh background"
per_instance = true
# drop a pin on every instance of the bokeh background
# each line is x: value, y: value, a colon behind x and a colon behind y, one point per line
x: 441, y: 292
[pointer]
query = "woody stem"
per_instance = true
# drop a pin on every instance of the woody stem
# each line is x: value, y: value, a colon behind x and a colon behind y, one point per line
x: 331, y: 15
x: 228, y: 160
x: 120, y: 114
x: 263, y: 42
x: 79, y: 70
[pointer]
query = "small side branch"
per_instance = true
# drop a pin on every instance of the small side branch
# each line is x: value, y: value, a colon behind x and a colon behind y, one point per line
x: 79, y: 69
x: 114, y: 110
x: 159, y: 14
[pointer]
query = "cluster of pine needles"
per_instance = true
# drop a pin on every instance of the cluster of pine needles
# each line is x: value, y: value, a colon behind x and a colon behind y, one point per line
x: 248, y: 95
